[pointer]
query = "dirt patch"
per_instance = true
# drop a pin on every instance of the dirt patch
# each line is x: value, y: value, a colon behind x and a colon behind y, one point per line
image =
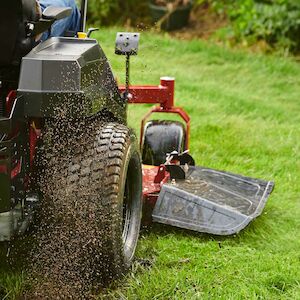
x: 204, y: 22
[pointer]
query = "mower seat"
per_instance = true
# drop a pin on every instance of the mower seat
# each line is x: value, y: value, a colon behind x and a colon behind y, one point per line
x: 14, y: 42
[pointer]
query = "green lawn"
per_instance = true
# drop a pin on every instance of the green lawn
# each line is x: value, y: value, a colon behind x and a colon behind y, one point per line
x: 245, y: 111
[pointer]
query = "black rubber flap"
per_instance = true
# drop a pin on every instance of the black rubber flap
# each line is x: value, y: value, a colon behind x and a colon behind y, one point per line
x: 212, y: 201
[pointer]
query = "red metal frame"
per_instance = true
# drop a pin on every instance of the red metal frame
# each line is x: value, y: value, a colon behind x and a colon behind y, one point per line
x: 10, y: 100
x: 162, y: 94
x: 154, y: 177
x: 34, y: 135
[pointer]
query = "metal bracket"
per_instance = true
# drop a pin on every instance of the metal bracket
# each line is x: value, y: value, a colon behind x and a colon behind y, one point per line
x: 127, y: 43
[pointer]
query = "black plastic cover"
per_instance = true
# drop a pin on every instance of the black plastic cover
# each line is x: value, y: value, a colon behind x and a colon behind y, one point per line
x: 70, y: 73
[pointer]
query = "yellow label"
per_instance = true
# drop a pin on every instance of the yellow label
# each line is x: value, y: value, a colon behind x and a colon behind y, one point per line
x: 81, y: 35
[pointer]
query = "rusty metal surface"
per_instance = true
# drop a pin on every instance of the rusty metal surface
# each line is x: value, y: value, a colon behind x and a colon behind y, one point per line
x: 212, y: 201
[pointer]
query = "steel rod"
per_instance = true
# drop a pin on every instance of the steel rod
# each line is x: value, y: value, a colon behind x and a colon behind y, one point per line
x: 84, y: 7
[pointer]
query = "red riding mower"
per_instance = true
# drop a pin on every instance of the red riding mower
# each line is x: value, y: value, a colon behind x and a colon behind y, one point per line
x: 159, y: 177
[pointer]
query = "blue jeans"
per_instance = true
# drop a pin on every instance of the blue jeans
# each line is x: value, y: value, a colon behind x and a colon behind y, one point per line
x: 71, y: 23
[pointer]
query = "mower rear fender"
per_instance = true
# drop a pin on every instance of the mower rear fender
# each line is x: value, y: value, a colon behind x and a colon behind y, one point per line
x: 69, y: 75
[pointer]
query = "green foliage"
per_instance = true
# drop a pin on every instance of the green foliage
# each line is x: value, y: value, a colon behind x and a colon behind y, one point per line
x: 275, y: 21
x: 100, y: 10
x: 111, y: 12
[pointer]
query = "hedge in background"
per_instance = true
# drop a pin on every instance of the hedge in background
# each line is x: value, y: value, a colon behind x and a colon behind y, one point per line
x: 275, y: 21
x: 112, y: 12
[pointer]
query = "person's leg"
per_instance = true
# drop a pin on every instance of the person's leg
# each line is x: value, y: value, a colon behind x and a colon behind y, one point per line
x: 71, y: 23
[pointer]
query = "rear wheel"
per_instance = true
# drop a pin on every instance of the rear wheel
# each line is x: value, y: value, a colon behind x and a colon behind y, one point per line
x: 121, y: 191
x: 114, y: 174
x: 93, y: 186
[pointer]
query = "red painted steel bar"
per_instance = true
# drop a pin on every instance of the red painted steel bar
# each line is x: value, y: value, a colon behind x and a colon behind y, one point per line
x: 10, y: 99
x: 169, y: 83
x: 162, y: 94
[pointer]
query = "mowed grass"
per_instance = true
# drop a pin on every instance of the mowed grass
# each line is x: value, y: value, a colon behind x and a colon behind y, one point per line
x: 245, y: 111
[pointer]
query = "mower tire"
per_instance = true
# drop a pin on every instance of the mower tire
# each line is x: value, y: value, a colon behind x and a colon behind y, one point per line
x: 121, y: 189
x: 102, y: 186
x: 162, y: 137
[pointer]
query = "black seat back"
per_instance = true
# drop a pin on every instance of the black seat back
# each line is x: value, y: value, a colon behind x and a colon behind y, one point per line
x: 14, y: 43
